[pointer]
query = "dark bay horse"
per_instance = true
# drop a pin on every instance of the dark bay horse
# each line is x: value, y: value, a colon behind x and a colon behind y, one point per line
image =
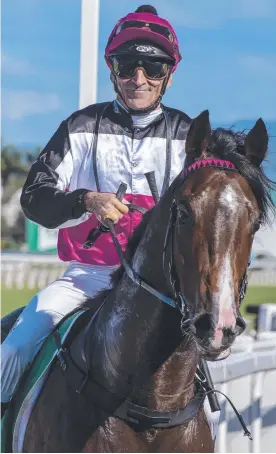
x: 193, y: 247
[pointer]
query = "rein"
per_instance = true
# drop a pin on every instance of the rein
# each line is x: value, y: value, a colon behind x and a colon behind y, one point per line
x: 133, y: 275
x: 142, y: 417
x: 178, y: 301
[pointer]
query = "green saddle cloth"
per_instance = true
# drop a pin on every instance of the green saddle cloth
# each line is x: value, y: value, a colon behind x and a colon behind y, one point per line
x: 15, y: 420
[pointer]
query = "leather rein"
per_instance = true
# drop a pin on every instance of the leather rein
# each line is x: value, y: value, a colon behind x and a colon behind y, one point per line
x: 178, y: 300
x: 136, y: 415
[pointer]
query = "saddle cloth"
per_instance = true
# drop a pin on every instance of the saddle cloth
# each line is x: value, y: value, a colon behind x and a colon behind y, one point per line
x: 15, y: 420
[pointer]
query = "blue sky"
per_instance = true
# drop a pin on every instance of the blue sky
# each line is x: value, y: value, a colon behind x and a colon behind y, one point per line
x: 228, y: 66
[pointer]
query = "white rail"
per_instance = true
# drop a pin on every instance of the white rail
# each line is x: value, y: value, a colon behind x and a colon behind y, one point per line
x: 262, y: 277
x: 248, y: 378
x: 30, y: 270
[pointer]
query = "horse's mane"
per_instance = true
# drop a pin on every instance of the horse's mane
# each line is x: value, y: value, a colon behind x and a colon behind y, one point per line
x: 229, y: 145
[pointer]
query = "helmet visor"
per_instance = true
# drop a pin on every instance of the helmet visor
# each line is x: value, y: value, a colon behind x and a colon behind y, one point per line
x: 125, y: 68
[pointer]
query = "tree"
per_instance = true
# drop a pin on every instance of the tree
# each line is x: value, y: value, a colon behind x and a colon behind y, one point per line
x: 15, y: 164
x: 11, y: 163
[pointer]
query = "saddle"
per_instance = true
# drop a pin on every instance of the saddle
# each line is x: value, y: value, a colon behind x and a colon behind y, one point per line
x: 15, y: 420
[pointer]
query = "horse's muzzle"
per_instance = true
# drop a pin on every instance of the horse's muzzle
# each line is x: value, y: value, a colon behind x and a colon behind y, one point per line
x: 212, y: 340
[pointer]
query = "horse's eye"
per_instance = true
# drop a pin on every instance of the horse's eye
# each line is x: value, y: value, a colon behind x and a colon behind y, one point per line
x: 256, y: 226
x: 183, y: 215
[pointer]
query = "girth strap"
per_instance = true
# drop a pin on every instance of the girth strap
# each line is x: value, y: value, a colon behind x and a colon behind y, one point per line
x: 139, y: 417
x: 144, y: 418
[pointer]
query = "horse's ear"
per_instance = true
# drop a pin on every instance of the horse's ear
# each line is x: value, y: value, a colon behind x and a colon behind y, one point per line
x: 256, y: 143
x: 199, y: 133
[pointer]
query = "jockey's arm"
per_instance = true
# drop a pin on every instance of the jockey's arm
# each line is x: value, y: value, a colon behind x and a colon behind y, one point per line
x: 45, y: 198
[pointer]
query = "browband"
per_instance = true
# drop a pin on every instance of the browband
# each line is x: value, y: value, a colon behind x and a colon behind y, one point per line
x: 219, y: 163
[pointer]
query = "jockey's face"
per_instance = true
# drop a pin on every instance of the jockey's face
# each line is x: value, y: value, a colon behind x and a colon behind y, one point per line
x: 139, y: 91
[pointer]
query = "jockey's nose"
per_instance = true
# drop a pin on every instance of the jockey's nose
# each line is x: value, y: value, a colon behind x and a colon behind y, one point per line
x: 139, y: 77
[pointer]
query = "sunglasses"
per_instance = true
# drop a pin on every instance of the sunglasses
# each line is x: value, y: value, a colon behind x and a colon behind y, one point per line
x: 126, y: 68
x: 156, y: 28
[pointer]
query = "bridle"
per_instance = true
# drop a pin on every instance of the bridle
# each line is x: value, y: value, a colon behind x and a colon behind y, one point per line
x: 168, y: 262
x: 177, y: 301
x: 128, y: 411
x: 136, y: 415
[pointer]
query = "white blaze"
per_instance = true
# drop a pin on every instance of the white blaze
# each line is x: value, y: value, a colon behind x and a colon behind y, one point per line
x: 228, y: 197
x: 225, y: 296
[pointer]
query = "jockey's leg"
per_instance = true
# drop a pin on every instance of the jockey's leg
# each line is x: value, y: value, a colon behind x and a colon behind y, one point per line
x: 42, y: 314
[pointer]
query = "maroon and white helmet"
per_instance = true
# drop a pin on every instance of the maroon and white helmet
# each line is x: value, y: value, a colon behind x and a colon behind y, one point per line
x: 147, y: 34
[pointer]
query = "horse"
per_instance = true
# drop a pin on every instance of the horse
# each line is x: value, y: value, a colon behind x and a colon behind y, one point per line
x: 192, y: 251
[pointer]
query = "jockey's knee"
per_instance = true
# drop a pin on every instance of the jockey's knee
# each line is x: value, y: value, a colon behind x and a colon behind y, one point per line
x: 13, y: 363
x: 16, y: 352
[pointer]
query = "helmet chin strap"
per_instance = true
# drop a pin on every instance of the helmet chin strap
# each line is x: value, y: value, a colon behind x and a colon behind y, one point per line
x: 147, y: 109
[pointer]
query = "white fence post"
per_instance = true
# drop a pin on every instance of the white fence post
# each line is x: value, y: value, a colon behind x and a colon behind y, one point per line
x: 255, y: 411
x: 222, y: 440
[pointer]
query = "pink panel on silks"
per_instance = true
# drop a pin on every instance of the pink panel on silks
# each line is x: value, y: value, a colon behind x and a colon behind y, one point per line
x: 71, y: 239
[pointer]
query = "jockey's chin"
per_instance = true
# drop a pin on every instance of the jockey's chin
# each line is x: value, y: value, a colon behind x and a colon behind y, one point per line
x: 139, y: 99
x: 139, y: 92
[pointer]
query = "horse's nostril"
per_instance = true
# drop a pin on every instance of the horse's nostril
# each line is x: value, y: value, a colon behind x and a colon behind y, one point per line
x: 240, y: 325
x: 203, y: 326
x: 229, y: 334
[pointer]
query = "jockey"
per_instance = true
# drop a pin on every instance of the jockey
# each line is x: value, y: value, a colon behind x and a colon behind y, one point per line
x: 72, y: 184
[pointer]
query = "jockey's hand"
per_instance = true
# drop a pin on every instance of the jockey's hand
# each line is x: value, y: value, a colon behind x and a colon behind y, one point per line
x: 105, y: 206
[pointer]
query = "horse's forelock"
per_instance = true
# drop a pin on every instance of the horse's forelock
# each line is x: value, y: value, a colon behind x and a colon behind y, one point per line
x: 228, y: 144
x: 226, y: 141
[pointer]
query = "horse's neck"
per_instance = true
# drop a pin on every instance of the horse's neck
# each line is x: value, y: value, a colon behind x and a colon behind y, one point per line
x: 137, y: 343
x: 136, y: 336
x: 125, y: 334
x: 172, y: 385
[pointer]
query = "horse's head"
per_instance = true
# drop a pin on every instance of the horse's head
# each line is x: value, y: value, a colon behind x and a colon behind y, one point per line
x: 220, y: 204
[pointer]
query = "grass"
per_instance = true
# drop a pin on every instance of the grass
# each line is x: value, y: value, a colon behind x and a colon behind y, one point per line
x: 13, y: 298
x: 255, y: 296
